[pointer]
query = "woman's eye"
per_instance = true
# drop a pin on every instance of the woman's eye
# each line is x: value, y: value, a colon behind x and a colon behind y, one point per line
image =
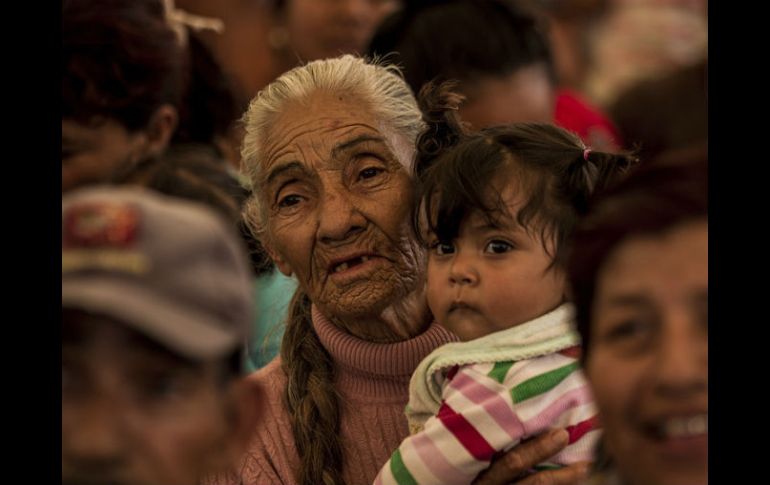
x: 369, y: 172
x: 289, y: 200
x: 498, y: 247
x: 629, y: 330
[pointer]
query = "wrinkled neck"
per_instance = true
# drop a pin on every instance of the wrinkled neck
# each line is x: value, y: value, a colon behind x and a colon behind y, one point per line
x: 406, y: 319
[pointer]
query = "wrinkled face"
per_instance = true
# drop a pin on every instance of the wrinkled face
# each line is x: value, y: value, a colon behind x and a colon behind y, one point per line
x: 93, y: 154
x: 133, y: 413
x: 526, y: 95
x: 319, y: 29
x: 338, y: 200
x: 648, y: 360
x: 492, y: 276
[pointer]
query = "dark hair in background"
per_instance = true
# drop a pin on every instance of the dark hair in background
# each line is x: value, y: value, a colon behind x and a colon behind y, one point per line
x: 192, y: 174
x: 665, y: 113
x: 653, y: 199
x: 120, y: 61
x: 579, y: 18
x: 462, y: 40
x: 209, y: 107
x: 455, y: 170
x: 568, y: 9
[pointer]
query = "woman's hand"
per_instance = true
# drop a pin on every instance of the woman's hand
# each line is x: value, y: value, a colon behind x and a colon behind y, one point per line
x: 521, y: 458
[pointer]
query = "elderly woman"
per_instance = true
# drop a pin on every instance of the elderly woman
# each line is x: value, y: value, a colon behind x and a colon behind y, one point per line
x: 640, y: 273
x: 329, y: 148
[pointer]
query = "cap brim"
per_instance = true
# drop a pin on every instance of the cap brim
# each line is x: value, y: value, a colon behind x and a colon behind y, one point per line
x: 176, y: 327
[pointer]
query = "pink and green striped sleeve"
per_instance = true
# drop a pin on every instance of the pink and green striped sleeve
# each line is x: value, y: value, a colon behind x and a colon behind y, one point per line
x: 489, y: 408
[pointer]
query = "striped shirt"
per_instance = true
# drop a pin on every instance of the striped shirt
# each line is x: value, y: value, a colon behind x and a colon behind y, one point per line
x: 488, y: 408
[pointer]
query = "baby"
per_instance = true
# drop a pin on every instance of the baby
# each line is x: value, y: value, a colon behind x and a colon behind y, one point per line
x: 496, y: 211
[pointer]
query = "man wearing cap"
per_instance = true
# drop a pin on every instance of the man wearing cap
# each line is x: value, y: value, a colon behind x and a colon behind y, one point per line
x: 156, y: 303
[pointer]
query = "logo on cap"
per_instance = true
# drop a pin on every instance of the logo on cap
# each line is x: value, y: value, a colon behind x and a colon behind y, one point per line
x: 92, y: 225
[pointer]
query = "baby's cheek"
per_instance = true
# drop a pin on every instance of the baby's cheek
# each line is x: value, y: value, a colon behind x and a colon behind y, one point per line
x: 436, y: 297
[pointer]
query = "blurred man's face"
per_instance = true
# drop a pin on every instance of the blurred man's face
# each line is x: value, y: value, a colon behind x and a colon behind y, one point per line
x: 135, y: 413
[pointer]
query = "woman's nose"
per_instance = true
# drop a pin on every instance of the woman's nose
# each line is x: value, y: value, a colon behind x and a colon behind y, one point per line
x: 682, y: 361
x: 339, y: 217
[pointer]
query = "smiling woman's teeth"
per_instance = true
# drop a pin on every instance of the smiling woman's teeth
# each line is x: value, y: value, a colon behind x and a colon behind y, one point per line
x: 685, y: 427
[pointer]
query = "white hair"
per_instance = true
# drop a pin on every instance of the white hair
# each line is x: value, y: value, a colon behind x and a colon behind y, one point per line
x: 380, y: 86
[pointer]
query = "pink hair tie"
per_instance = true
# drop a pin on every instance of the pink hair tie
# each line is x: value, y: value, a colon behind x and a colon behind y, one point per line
x: 585, y: 154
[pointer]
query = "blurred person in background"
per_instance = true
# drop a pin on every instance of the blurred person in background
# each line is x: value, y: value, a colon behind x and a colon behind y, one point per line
x: 194, y: 176
x: 307, y: 30
x: 156, y: 303
x: 122, y: 82
x: 500, y: 54
x: 569, y: 26
x: 665, y: 113
x: 637, y: 40
x: 261, y: 39
x: 639, y: 275
x: 209, y: 110
x: 136, y: 80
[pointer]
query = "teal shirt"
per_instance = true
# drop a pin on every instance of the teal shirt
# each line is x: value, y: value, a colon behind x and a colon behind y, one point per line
x: 272, y: 295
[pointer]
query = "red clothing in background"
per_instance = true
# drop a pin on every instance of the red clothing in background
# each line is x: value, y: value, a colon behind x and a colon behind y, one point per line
x: 596, y: 130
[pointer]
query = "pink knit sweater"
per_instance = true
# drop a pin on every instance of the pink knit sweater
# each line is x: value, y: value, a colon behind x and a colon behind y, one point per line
x: 373, y: 382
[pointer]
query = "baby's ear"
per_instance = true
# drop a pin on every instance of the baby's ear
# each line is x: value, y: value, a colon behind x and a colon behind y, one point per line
x: 568, y: 293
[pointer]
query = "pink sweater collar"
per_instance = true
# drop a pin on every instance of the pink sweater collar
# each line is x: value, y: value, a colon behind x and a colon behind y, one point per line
x: 371, y: 367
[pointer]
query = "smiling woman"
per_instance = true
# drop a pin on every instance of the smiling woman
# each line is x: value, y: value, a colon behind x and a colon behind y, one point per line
x: 640, y: 275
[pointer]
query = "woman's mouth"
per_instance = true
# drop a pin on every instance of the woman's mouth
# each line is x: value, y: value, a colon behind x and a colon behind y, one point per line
x: 350, y: 269
x: 686, y: 427
x: 680, y: 439
x: 345, y: 265
x: 680, y: 427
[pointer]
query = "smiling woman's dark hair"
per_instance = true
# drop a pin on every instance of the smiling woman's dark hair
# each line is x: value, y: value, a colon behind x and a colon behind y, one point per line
x: 653, y: 199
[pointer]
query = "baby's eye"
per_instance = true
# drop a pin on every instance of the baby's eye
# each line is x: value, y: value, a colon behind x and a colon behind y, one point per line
x: 498, y: 247
x: 442, y: 248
